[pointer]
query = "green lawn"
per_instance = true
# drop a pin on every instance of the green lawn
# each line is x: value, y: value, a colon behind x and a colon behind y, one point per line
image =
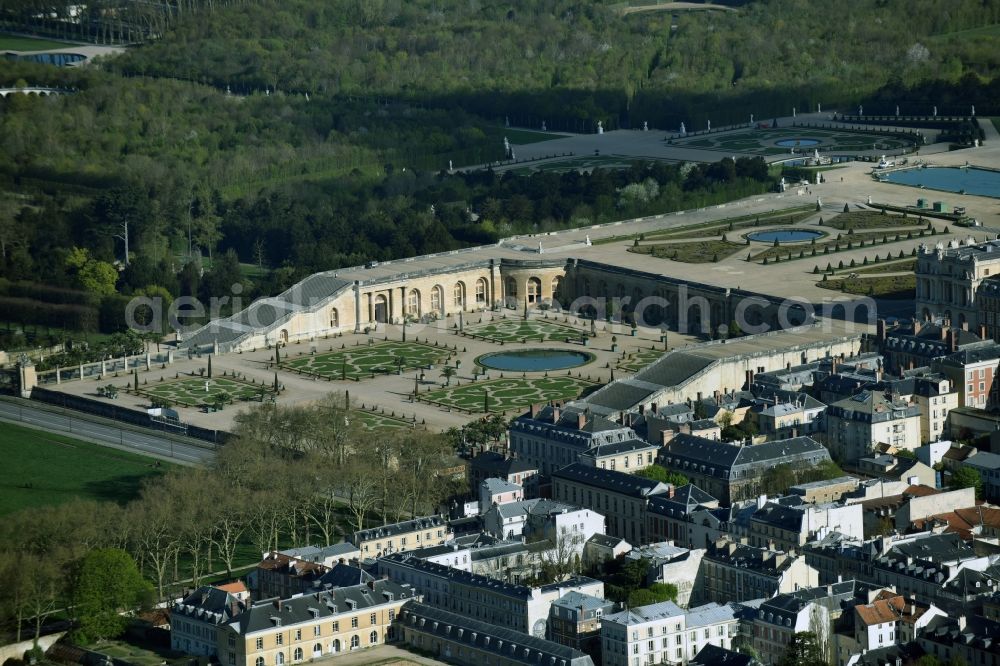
x: 44, y: 469
x: 508, y: 393
x: 520, y: 136
x: 362, y: 361
x: 763, y: 142
x: 12, y: 43
x: 872, y: 219
x: 376, y: 421
x: 693, y: 252
x: 897, y: 286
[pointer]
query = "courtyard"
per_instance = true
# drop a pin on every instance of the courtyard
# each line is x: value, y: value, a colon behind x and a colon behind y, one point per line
x: 803, y: 140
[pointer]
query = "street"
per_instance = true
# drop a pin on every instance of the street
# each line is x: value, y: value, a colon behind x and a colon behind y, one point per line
x: 81, y: 426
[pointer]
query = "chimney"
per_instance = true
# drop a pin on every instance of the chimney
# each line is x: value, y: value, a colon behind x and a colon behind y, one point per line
x: 665, y: 436
x: 880, y: 330
x: 982, y: 331
x: 965, y: 325
x: 833, y: 365
x: 685, y: 428
x: 952, y: 339
x: 535, y: 408
x: 917, y: 325
x: 944, y: 332
x: 581, y: 420
x: 747, y: 378
x: 555, y: 414
x: 716, y: 394
x: 699, y: 396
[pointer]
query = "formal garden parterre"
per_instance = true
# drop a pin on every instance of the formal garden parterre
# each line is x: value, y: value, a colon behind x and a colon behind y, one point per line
x: 509, y: 393
x: 204, y: 391
x: 521, y: 330
x: 364, y: 361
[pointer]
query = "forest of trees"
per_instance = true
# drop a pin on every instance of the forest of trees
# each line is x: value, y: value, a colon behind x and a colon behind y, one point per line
x: 295, y: 475
x: 257, y: 141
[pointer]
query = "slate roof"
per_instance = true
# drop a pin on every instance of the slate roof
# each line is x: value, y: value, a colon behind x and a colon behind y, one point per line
x: 463, y: 629
x: 496, y: 465
x: 496, y: 486
x: 872, y: 406
x: 209, y: 604
x: 711, y: 613
x: 724, y: 456
x: 327, y: 603
x: 575, y: 600
x: 713, y: 655
x: 618, y: 448
x: 458, y: 576
x: 344, y: 575
x: 612, y: 480
x: 984, y: 460
x: 605, y: 541
x: 779, y: 516
x: 405, y: 527
x: 644, y: 614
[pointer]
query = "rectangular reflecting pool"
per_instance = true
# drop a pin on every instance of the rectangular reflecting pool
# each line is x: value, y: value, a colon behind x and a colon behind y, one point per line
x: 967, y: 180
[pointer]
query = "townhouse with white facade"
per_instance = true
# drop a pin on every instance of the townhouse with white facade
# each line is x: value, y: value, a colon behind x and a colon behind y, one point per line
x: 517, y: 607
x: 664, y: 633
x: 738, y: 572
x: 855, y: 425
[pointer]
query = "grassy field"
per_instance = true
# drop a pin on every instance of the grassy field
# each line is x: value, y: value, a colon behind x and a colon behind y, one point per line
x: 362, y: 362
x: 897, y: 286
x: 871, y: 219
x: 508, y: 393
x: 12, y: 43
x: 831, y: 245
x: 887, y: 267
x: 520, y: 137
x: 692, y: 252
x: 45, y: 469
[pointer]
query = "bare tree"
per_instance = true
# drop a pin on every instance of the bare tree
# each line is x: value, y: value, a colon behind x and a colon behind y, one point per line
x: 563, y: 559
x: 362, y: 491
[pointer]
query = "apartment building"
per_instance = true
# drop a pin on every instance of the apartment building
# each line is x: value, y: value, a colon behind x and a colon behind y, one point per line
x: 621, y: 498
x: 855, y: 425
x: 460, y: 639
x: 275, y: 632
x: 550, y: 437
x: 664, y: 633
x: 517, y: 607
x: 972, y: 371
x: 739, y: 572
x: 403, y: 536
x: 948, y: 280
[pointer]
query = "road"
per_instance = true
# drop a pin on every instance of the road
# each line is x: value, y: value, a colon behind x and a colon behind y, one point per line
x: 74, y: 424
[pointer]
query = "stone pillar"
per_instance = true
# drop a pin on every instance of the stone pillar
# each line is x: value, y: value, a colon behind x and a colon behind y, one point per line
x: 149, y: 362
x: 28, y: 377
x: 371, y: 307
x: 58, y: 376
x: 391, y: 314
x: 357, y: 307
x: 170, y: 356
x: 104, y: 368
x: 81, y: 372
x: 402, y: 302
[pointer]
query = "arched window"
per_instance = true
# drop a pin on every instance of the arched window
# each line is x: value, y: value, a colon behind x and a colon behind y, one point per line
x: 297, y: 654
x: 511, y: 288
x: 555, y: 287
x: 355, y: 642
x: 437, y: 299
x: 534, y: 290
x: 279, y: 658
x: 259, y: 661
x: 335, y: 646
x: 373, y: 637
x: 334, y: 318
x: 317, y: 650
x: 481, y: 291
x: 458, y: 295
x: 413, y: 303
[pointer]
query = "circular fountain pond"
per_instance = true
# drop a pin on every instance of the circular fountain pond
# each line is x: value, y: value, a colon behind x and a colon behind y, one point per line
x: 534, y: 360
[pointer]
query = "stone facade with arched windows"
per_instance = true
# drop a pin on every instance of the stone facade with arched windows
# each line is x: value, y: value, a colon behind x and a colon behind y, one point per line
x: 431, y: 288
